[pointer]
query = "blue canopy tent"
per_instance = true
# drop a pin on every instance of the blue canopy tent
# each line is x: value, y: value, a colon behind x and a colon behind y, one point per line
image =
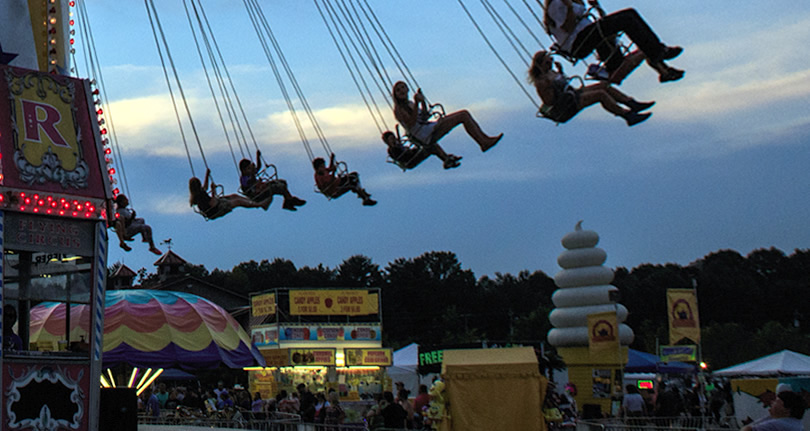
x: 640, y: 362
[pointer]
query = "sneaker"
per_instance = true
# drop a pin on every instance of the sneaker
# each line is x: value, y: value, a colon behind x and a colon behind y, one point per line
x: 634, y: 118
x: 598, y: 72
x: 155, y: 250
x: 125, y: 247
x: 289, y: 205
x: 368, y: 202
x: 298, y: 201
x: 671, y: 52
x: 636, y: 106
x: 452, y: 162
x: 670, y: 75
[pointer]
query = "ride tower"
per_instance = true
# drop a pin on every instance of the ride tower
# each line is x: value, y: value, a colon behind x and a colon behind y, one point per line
x: 55, y: 197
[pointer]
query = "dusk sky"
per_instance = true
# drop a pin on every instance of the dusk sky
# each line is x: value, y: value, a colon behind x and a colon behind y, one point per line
x: 722, y: 163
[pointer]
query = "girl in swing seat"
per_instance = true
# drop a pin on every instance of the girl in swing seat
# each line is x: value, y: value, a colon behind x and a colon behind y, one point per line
x: 412, y: 117
x: 561, y: 101
x: 212, y: 206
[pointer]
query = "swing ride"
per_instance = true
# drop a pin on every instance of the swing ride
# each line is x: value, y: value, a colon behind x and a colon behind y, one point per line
x: 56, y: 187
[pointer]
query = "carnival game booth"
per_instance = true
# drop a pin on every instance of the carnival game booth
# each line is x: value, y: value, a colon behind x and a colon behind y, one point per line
x: 493, y: 389
x: 754, y: 383
x: 55, y: 196
x: 324, y: 338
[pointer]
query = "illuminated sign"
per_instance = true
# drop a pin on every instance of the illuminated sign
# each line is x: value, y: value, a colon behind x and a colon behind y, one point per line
x: 365, y: 332
x: 645, y: 384
x: 369, y: 357
x: 276, y: 357
x: 684, y: 353
x: 333, y: 302
x: 52, y: 161
x: 321, y: 357
x: 265, y: 335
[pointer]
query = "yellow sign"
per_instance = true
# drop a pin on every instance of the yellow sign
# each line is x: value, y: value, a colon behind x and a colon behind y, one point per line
x: 321, y: 357
x: 603, y: 333
x: 378, y: 357
x: 683, y: 315
x: 276, y: 357
x: 263, y: 305
x: 333, y: 302
x: 47, y: 132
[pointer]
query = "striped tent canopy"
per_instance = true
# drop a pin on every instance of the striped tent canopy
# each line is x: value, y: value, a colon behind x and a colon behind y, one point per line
x: 153, y: 328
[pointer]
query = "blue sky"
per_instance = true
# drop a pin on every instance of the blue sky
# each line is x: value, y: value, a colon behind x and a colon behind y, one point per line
x: 721, y: 164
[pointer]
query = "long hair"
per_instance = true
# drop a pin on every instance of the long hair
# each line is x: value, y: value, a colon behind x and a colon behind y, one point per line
x: 534, y: 69
x: 403, y: 103
x: 194, y: 189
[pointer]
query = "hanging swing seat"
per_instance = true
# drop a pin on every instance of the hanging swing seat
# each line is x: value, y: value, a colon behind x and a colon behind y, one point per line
x: 555, y: 112
x: 413, y: 155
x: 219, y: 192
x: 268, y: 174
x: 597, y: 70
x: 341, y: 170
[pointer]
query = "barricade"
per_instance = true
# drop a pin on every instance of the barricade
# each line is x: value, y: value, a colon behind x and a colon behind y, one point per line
x: 680, y: 423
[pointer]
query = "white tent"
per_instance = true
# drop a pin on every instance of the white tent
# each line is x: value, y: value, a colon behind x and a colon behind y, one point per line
x: 784, y: 363
x: 406, y: 361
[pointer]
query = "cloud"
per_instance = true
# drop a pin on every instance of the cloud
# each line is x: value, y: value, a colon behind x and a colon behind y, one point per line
x: 168, y: 204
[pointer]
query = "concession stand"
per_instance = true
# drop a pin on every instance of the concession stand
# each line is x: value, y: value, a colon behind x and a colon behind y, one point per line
x: 328, y: 339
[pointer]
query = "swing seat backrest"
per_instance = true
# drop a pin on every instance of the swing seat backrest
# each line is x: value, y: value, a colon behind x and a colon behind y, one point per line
x: 267, y: 174
x: 341, y: 169
x: 411, y: 144
x: 545, y: 110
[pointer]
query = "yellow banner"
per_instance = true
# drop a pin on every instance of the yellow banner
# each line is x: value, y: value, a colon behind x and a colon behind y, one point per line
x: 332, y: 302
x: 603, y: 333
x: 321, y: 357
x: 378, y: 357
x: 263, y: 305
x: 683, y: 315
x: 276, y: 357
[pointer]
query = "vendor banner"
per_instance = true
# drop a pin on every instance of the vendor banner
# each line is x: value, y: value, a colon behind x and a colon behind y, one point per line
x: 264, y: 335
x: 263, y: 305
x: 685, y: 353
x: 364, y: 332
x: 378, y: 357
x: 276, y: 357
x: 603, y: 333
x: 333, y: 302
x: 317, y: 357
x: 683, y: 315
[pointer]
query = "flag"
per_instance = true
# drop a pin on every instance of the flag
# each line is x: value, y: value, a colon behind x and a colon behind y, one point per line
x: 683, y: 315
x: 603, y: 333
x: 26, y: 34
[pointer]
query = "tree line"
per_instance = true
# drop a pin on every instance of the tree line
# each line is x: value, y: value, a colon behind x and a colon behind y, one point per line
x: 749, y: 306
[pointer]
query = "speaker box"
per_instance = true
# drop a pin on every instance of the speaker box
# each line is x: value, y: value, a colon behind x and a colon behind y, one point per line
x: 119, y: 410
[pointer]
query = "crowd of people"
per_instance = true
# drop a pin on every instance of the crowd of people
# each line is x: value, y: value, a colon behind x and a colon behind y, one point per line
x: 677, y: 402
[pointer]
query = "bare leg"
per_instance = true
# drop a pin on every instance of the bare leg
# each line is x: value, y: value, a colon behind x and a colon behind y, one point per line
x: 598, y: 93
x: 631, y: 62
x: 450, y: 121
x: 240, y: 201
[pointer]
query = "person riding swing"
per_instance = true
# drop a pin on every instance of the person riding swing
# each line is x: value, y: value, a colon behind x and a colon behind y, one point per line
x: 214, y: 205
x: 412, y: 116
x: 260, y: 188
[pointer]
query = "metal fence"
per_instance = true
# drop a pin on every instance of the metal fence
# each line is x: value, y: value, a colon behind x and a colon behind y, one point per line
x: 246, y: 421
x: 680, y: 423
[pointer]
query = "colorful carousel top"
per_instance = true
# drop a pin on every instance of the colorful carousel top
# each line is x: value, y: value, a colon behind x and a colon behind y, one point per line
x: 153, y: 328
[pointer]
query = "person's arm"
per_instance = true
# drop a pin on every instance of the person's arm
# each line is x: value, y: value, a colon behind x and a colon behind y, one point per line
x: 205, y: 182
x: 419, y: 102
x: 332, y: 167
x: 259, y: 160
